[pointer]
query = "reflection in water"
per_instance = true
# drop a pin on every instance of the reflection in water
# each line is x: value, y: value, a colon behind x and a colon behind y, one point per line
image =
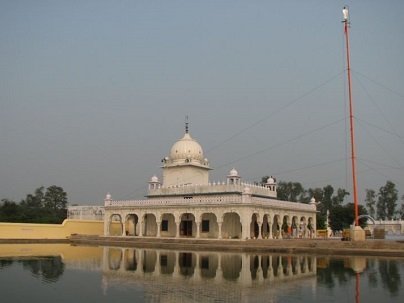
x: 5, y: 263
x: 199, y: 276
x: 390, y: 275
x: 207, y: 265
x: 48, y: 268
x: 166, y: 275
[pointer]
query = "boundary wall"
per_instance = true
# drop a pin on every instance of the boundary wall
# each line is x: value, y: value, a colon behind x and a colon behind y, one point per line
x: 50, y: 231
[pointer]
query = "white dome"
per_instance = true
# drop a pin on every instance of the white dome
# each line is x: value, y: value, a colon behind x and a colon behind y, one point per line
x: 154, y: 179
x: 312, y: 200
x: 186, y: 148
x: 233, y: 173
x: 270, y: 180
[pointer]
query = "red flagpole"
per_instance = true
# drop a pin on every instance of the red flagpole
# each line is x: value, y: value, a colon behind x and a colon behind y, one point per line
x: 351, y: 120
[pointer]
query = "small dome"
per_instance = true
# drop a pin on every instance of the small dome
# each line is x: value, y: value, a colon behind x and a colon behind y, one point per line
x: 154, y: 179
x: 312, y: 200
x: 233, y: 173
x: 186, y: 148
x: 108, y: 196
x: 270, y: 180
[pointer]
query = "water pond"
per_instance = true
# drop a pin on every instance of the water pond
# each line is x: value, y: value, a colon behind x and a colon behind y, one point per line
x: 64, y: 273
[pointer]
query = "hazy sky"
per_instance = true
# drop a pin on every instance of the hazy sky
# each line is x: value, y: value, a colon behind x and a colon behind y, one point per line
x: 94, y: 93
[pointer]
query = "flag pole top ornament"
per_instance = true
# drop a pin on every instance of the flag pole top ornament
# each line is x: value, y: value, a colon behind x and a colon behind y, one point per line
x: 345, y: 13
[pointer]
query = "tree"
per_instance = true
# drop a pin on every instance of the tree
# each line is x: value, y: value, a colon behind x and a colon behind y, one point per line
x: 36, y: 200
x: 9, y: 211
x: 290, y: 191
x: 55, y: 198
x: 387, y: 201
x: 342, y: 216
x: 39, y: 207
x: 327, y: 196
x: 371, y: 202
x: 340, y: 197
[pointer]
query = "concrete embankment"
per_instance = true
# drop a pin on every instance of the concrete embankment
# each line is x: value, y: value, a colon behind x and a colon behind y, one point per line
x: 310, y: 246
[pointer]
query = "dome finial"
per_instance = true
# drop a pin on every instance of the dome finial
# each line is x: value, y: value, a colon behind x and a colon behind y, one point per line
x: 186, y: 124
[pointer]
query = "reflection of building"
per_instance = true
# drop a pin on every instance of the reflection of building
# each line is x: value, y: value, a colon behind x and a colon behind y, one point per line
x: 186, y: 204
x: 169, y: 275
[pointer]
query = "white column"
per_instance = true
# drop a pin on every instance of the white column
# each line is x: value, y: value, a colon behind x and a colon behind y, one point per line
x: 219, y: 225
x: 107, y: 223
x: 177, y: 232
x: 245, y: 229
x: 198, y: 234
x: 123, y: 222
x: 259, y: 230
x: 158, y: 228
x: 140, y: 228
x: 270, y: 230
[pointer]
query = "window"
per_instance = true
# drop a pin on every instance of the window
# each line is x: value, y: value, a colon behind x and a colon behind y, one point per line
x: 164, y: 225
x: 205, y: 226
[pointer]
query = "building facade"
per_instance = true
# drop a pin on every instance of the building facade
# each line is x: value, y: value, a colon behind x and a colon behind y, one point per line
x: 186, y: 205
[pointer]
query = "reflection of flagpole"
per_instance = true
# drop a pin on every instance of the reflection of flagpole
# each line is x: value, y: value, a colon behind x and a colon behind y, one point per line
x: 357, y: 293
x: 345, y: 13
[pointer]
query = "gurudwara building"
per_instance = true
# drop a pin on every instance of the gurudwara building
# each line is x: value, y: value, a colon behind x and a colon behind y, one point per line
x: 185, y: 204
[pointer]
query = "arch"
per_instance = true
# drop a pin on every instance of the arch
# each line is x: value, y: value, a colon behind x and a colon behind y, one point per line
x: 187, y: 225
x: 276, y: 233
x: 168, y: 228
x: 149, y: 225
x: 231, y: 228
x: 285, y: 227
x: 295, y: 227
x: 302, y: 227
x: 208, y: 226
x: 254, y: 227
x: 131, y: 224
x: 265, y: 227
x: 115, y: 225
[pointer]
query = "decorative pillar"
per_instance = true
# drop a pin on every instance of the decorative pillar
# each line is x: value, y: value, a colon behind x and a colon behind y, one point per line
x: 158, y: 228
x: 270, y: 230
x: 177, y: 232
x: 141, y: 228
x: 107, y: 223
x: 260, y: 229
x: 198, y: 234
x: 123, y: 222
x: 219, y: 225
x: 245, y: 229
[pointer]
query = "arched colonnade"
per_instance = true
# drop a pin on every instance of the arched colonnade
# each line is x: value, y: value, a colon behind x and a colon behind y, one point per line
x: 214, y: 225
